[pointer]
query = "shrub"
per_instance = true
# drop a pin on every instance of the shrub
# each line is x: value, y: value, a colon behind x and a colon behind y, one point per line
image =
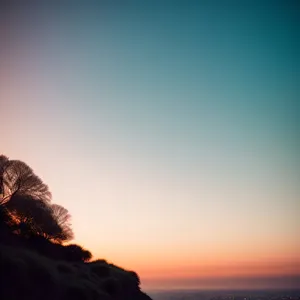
x: 135, y: 276
x: 75, y: 252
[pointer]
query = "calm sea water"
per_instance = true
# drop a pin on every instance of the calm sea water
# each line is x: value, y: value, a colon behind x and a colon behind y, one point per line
x: 225, y: 295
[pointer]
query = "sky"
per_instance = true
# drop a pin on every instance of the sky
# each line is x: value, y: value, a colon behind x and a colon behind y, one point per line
x: 168, y: 129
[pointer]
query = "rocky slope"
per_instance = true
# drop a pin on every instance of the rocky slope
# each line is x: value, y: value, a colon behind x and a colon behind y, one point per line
x: 26, y: 274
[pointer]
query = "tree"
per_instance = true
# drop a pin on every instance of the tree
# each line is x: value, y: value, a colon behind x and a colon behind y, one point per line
x: 17, y: 178
x: 25, y: 199
x: 62, y: 218
x: 35, y: 217
x: 32, y: 217
x: 3, y: 162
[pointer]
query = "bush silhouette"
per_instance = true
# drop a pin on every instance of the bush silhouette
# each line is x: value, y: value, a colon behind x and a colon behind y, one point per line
x: 135, y: 277
x: 75, y: 252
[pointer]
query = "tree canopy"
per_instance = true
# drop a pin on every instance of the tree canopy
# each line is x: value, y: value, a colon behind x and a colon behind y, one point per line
x: 17, y: 178
x: 25, y: 204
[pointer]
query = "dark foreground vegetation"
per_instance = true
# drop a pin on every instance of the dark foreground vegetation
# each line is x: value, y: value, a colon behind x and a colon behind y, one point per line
x: 35, y: 261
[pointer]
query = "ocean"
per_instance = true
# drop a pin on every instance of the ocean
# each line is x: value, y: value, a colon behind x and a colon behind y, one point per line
x: 225, y: 295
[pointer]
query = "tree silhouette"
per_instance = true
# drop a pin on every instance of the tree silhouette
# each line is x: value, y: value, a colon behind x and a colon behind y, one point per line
x: 62, y: 218
x: 17, y: 178
x: 25, y: 200
x: 6, y: 220
x: 35, y: 217
x: 3, y: 163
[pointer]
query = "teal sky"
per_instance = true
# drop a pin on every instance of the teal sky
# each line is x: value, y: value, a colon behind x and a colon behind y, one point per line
x: 166, y: 123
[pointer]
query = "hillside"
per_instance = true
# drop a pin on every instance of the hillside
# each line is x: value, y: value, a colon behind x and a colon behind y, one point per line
x: 26, y: 274
x: 36, y: 259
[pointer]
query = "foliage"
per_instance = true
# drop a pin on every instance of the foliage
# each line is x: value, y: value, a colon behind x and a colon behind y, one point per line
x: 25, y: 204
x: 75, y: 252
x: 62, y: 219
x: 17, y: 178
x: 135, y: 277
